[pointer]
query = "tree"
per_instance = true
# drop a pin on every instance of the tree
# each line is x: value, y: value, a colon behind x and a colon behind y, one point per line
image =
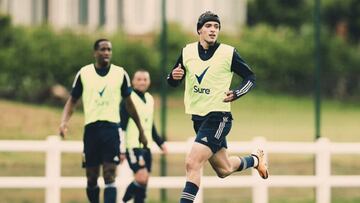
x: 292, y: 13
x: 342, y: 16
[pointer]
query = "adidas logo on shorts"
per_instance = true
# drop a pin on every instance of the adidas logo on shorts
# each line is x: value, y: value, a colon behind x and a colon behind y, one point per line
x: 204, y: 139
x: 116, y: 158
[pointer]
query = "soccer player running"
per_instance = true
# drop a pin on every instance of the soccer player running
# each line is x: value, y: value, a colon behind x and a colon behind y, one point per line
x: 138, y: 157
x: 102, y: 86
x: 207, y: 67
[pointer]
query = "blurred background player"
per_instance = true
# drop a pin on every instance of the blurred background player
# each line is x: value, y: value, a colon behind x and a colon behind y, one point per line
x: 139, y: 158
x: 102, y: 86
x: 208, y: 67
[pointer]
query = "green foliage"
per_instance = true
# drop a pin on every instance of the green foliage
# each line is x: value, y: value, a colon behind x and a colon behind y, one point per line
x: 284, y: 61
x: 281, y: 58
x: 35, y: 59
x: 133, y: 55
x: 38, y: 58
x: 177, y: 39
x: 296, y: 13
x: 279, y: 12
x: 343, y: 11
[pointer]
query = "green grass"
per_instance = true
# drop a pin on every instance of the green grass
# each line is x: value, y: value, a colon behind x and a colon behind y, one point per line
x: 277, y: 118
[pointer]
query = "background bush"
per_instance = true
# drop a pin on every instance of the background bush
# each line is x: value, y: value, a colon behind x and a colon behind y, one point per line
x: 35, y: 59
x: 283, y: 60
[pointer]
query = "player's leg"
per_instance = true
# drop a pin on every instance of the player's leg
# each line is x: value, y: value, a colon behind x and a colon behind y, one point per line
x: 195, y: 160
x: 109, y: 174
x: 132, y: 156
x: 140, y: 163
x: 110, y: 143
x: 224, y: 165
x: 141, y: 178
x: 91, y: 163
x: 92, y: 189
x: 212, y: 134
x: 215, y: 131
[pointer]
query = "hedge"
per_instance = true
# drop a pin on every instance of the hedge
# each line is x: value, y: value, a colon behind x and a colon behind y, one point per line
x: 35, y: 59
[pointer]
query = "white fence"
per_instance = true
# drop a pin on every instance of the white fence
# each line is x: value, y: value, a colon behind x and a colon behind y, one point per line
x: 322, y: 180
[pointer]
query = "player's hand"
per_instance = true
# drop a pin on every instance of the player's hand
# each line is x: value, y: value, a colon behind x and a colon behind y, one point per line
x: 122, y: 157
x: 164, y: 148
x: 142, y: 139
x: 178, y: 73
x: 229, y: 96
x: 63, y: 129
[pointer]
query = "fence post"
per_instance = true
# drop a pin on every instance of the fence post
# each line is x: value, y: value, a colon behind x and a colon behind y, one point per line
x: 260, y: 188
x: 323, y: 171
x: 53, y: 170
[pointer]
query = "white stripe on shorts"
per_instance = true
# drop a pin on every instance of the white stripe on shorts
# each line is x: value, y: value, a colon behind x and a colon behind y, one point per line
x: 220, y: 129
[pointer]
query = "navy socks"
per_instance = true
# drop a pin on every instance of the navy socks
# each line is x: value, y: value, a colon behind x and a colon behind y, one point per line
x: 110, y: 193
x: 246, y: 162
x: 135, y: 190
x: 189, y: 193
x: 130, y: 191
x: 93, y: 194
x: 140, y: 195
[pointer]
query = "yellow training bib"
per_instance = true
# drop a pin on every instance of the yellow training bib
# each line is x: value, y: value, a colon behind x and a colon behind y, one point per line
x: 207, y: 81
x: 146, y: 115
x: 101, y: 94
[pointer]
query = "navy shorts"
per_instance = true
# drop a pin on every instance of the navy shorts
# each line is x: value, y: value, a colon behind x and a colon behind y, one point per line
x: 212, y: 131
x: 139, y: 158
x: 101, y: 144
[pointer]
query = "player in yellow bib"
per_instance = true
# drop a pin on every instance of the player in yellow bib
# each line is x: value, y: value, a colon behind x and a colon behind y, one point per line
x: 138, y: 157
x: 102, y: 86
x: 207, y: 67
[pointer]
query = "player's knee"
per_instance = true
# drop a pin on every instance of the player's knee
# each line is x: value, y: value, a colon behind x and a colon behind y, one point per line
x: 191, y: 165
x: 91, y: 181
x: 142, y: 178
x: 109, y: 177
x: 109, y: 173
x: 92, y: 176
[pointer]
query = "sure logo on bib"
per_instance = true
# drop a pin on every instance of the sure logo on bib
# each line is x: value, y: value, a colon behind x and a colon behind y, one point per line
x: 201, y: 90
x: 199, y: 79
x: 201, y: 76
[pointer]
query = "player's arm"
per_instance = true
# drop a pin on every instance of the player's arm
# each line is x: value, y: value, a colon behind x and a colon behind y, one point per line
x: 124, y: 116
x: 70, y: 105
x: 130, y: 108
x: 177, y: 73
x: 124, y: 120
x: 158, y: 140
x: 134, y: 115
x: 239, y: 66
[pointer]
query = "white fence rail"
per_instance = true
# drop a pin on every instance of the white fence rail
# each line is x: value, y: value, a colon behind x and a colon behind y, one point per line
x: 322, y: 180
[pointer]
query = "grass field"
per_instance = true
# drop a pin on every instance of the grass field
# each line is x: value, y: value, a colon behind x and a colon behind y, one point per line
x: 277, y: 118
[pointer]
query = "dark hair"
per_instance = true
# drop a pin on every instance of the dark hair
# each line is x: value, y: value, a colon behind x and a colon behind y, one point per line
x: 205, y: 17
x: 97, y: 42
